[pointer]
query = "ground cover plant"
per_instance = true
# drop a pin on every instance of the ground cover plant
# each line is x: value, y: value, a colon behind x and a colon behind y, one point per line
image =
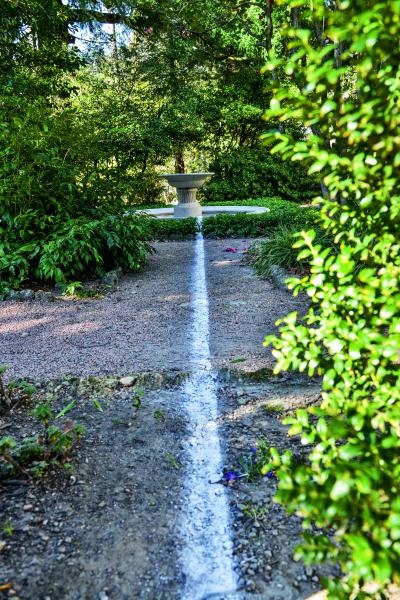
x: 34, y: 455
x: 178, y: 229
x: 280, y: 212
x: 346, y: 68
x: 62, y: 250
x: 51, y: 447
x: 279, y: 249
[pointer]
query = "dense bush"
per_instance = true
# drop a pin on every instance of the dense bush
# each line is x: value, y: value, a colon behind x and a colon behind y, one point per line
x: 280, y: 212
x: 351, y: 334
x: 70, y: 249
x: 172, y: 229
x: 250, y: 173
x: 279, y: 250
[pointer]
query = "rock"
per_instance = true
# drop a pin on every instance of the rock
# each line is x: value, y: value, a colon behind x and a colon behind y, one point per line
x: 111, y: 278
x: 43, y: 296
x: 127, y: 381
x: 14, y: 295
x: 20, y: 295
x: 27, y: 295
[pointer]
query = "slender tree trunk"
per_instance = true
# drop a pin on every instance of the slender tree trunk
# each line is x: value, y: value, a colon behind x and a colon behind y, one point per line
x: 179, y: 161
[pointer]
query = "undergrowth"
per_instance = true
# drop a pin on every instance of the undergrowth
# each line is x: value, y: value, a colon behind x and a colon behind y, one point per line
x: 67, y: 249
x: 52, y: 446
x: 278, y: 250
x: 34, y: 455
x: 279, y: 213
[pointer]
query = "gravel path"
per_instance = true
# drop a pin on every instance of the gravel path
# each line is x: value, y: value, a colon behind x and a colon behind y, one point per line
x: 111, y: 531
x: 144, y: 324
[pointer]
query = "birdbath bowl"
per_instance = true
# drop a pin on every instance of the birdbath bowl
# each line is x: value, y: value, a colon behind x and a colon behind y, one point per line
x: 186, y: 185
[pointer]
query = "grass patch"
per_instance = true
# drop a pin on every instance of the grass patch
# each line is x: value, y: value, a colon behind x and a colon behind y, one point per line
x: 273, y: 408
x: 278, y: 250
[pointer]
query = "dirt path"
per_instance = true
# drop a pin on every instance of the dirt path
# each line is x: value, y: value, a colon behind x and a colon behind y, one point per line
x: 113, y: 531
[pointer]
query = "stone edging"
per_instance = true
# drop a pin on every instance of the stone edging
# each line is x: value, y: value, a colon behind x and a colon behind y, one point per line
x: 108, y: 281
x: 280, y: 276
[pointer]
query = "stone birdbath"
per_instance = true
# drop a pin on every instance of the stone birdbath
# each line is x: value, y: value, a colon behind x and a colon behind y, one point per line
x: 186, y: 185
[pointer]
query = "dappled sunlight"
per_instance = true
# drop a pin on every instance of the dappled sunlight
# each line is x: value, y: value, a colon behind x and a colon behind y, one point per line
x: 224, y: 263
x: 175, y: 298
x: 18, y: 325
x: 321, y: 595
x: 248, y: 409
x: 80, y: 327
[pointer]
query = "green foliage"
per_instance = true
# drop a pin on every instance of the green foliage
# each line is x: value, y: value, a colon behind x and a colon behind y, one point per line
x: 251, y: 465
x: 280, y: 212
x: 276, y: 250
x: 14, y: 390
x: 253, y: 172
x: 65, y: 250
x: 279, y: 250
x: 347, y: 94
x: 172, y: 229
x: 34, y: 455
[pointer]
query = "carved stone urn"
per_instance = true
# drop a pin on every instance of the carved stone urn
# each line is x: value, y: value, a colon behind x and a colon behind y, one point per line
x: 186, y: 185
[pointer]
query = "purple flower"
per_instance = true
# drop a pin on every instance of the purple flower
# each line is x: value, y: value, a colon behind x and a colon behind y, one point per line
x: 232, y: 250
x: 231, y: 476
x: 270, y: 475
x: 253, y: 450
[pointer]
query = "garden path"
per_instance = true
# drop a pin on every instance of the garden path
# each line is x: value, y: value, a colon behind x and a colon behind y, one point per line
x: 141, y: 519
x: 144, y: 325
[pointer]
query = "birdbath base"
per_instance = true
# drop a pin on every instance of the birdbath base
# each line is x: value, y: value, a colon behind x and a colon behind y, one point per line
x: 189, y: 209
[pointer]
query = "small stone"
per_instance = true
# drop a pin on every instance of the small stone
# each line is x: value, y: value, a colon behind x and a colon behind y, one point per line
x: 111, y: 278
x: 14, y: 295
x: 243, y: 401
x: 27, y: 295
x: 28, y: 507
x: 127, y: 381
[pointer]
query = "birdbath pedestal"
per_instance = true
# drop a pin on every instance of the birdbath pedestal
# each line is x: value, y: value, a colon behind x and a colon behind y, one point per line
x: 186, y: 185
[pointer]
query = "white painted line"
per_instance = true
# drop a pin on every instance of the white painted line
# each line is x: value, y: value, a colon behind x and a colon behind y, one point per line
x: 207, y: 547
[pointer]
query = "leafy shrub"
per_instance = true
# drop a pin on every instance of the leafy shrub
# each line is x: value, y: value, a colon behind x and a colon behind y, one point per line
x: 179, y: 229
x: 351, y: 334
x: 248, y: 173
x: 78, y: 247
x: 279, y: 250
x: 280, y: 212
x: 144, y: 188
x: 35, y: 454
x: 13, y: 391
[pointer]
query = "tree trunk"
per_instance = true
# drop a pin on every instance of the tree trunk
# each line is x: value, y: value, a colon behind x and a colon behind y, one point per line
x: 179, y: 161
